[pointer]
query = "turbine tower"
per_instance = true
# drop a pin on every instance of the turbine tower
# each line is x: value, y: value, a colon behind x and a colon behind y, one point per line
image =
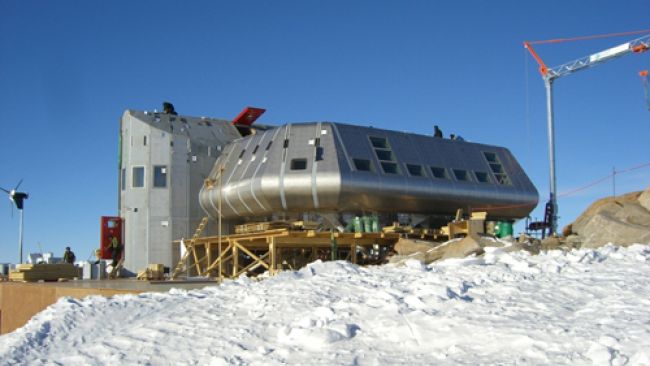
x: 18, y: 199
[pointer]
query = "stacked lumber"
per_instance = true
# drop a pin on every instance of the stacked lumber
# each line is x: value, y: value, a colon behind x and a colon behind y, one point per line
x: 152, y: 272
x: 397, y: 228
x: 258, y: 227
x: 44, y: 272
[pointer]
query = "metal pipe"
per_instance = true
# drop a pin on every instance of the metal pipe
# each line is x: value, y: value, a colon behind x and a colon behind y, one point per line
x: 20, y: 239
x: 551, y: 151
x: 221, y: 169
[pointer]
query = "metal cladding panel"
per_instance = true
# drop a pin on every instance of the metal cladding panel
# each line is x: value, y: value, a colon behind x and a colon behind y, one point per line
x: 316, y: 170
x: 187, y: 147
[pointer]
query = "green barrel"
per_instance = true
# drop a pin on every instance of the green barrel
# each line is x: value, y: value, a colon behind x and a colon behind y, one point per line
x: 503, y: 229
x: 357, y: 224
x: 367, y: 225
x: 375, y: 223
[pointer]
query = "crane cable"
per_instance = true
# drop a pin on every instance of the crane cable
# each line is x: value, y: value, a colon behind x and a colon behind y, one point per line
x: 582, y: 38
x: 615, y: 172
x: 571, y: 192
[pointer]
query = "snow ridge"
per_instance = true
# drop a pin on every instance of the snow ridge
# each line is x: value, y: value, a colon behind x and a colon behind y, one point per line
x: 577, y: 307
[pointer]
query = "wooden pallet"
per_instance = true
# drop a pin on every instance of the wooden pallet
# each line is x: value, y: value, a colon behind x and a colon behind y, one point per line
x: 44, y: 272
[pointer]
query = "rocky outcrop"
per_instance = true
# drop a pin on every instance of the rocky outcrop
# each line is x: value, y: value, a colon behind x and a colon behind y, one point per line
x: 622, y: 220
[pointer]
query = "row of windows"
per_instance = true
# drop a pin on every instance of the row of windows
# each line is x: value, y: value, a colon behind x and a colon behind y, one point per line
x: 415, y: 170
x: 385, y: 155
x: 497, y: 168
x: 159, y: 178
x: 389, y: 165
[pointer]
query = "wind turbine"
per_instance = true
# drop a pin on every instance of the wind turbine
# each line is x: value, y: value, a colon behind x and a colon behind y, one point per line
x: 18, y: 199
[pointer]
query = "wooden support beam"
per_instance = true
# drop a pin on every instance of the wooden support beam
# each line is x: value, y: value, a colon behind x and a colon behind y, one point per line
x: 196, y: 259
x: 255, y: 264
x: 220, y: 265
x: 243, y: 248
x: 235, y: 258
x: 274, y: 263
x: 219, y: 261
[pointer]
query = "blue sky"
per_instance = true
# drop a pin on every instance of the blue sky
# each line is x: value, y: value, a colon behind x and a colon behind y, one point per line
x: 68, y: 70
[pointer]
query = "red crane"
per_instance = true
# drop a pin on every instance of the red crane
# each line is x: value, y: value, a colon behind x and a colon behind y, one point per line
x: 549, y: 74
x: 644, y: 80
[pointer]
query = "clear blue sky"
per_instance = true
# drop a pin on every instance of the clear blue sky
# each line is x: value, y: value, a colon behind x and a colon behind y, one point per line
x: 68, y: 70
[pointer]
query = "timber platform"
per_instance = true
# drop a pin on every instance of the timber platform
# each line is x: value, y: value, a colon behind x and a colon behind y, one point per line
x: 230, y: 256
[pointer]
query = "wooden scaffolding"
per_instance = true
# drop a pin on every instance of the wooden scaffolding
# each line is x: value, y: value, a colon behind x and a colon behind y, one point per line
x: 230, y: 256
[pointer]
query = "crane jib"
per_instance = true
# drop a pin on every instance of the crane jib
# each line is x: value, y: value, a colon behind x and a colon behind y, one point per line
x: 612, y: 52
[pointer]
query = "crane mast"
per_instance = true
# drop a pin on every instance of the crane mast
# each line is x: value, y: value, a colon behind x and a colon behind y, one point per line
x: 638, y: 45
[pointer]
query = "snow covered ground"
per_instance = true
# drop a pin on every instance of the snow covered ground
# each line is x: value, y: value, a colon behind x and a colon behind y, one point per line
x: 581, y: 307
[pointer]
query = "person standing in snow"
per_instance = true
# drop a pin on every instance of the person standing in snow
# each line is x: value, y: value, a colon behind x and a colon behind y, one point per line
x: 437, y: 132
x: 68, y: 256
x: 116, y: 250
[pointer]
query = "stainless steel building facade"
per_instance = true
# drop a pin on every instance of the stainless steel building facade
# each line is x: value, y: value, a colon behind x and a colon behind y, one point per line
x: 333, y: 169
x: 164, y: 159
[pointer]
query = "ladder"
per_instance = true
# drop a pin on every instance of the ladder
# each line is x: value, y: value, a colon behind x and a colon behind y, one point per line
x: 181, y: 266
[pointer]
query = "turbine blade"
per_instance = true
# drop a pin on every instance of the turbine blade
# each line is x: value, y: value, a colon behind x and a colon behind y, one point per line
x: 5, y: 190
x: 18, y: 185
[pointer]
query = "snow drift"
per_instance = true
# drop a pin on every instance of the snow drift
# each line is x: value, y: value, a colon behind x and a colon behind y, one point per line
x: 580, y: 307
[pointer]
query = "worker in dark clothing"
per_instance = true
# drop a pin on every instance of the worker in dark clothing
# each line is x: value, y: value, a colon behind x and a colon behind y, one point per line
x: 437, y: 132
x: 68, y: 256
x: 116, y: 250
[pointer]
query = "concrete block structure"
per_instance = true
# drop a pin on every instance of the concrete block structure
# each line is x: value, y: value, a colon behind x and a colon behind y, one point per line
x: 164, y: 159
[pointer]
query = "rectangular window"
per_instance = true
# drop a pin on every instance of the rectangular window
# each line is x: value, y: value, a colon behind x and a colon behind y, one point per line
x: 440, y: 173
x: 160, y: 176
x: 286, y: 143
x: 491, y: 157
x: 255, y: 149
x: 379, y: 142
x: 138, y: 177
x: 269, y: 145
x: 298, y: 164
x: 123, y: 179
x: 415, y: 170
x: 461, y: 175
x: 144, y: 140
x: 496, y: 168
x: 362, y: 165
x: 386, y: 155
x: 242, y: 153
x: 482, y: 177
x: 389, y: 168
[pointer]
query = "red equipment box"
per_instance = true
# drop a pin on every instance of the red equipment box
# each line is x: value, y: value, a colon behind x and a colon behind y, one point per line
x: 110, y: 226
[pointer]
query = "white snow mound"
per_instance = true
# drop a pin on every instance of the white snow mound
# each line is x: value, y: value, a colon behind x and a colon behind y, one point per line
x: 558, y: 308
